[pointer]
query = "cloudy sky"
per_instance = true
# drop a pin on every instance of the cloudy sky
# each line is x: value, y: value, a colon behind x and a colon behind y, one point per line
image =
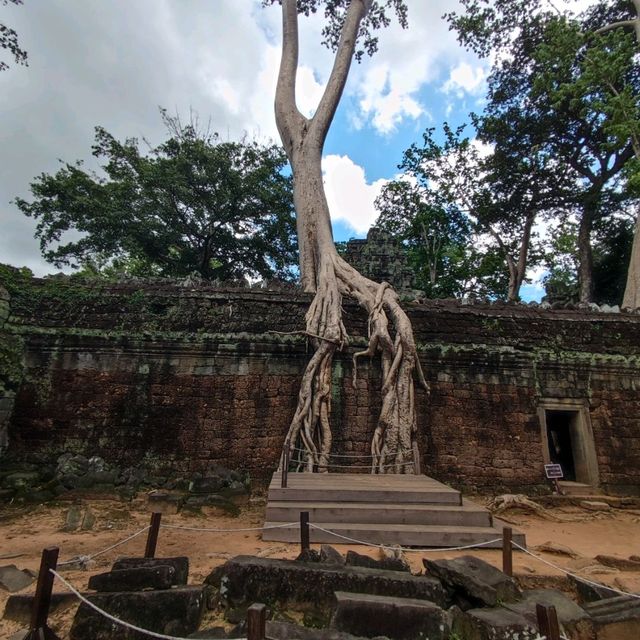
x: 114, y: 62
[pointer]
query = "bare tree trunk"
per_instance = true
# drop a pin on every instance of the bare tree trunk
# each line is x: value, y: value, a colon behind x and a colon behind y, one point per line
x: 523, y: 256
x: 585, y: 256
x: 631, y: 299
x: 326, y: 274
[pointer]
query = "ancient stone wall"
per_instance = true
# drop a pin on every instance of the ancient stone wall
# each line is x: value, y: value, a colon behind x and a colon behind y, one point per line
x: 180, y: 377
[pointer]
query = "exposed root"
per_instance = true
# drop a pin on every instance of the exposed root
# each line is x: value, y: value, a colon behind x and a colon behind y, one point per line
x: 395, y: 434
x: 510, y: 501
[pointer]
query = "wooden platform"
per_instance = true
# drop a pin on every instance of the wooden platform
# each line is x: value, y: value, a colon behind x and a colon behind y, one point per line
x: 406, y: 510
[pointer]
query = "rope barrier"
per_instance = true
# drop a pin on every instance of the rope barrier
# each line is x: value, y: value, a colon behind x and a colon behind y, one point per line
x: 575, y: 575
x: 272, y: 526
x: 85, y: 559
x: 108, y: 616
x: 408, y: 549
x: 344, y: 455
x: 361, y: 466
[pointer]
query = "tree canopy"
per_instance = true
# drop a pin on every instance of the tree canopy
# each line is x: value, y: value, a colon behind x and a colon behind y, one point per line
x: 192, y: 204
x: 9, y: 41
x: 564, y: 92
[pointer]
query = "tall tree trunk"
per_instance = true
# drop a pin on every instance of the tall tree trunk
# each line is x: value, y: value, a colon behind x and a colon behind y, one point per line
x: 631, y: 299
x: 326, y: 274
x: 585, y: 255
x: 523, y: 256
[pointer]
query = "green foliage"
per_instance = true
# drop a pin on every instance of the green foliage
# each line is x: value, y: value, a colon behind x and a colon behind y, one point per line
x: 335, y: 11
x: 437, y: 239
x: 565, y: 92
x: 561, y: 283
x: 432, y: 210
x: 9, y: 41
x: 192, y: 204
x: 611, y: 256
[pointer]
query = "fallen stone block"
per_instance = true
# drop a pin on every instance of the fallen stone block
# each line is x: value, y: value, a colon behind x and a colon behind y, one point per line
x: 308, y: 555
x: 595, y: 505
x: 491, y: 624
x: 20, y: 606
x: 396, y: 555
x: 615, y: 618
x: 213, y: 633
x: 176, y: 612
x: 164, y: 502
x: 476, y: 579
x: 288, y: 631
x: 574, y: 620
x: 138, y: 579
x: 249, y: 579
x: 180, y: 565
x: 212, y: 484
x: 330, y: 555
x: 590, y: 593
x: 13, y: 579
x: 397, y: 618
x: 355, y: 559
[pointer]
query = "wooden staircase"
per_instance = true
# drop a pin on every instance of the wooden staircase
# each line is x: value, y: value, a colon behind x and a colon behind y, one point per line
x: 406, y: 510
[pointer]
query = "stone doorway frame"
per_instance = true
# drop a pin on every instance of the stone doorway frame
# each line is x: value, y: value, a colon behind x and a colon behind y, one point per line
x: 582, y: 443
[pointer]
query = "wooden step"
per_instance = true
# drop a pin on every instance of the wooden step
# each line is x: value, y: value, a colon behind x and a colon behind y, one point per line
x: 392, y: 534
x: 348, y: 487
x: 570, y: 488
x: 409, y: 510
x: 366, y: 513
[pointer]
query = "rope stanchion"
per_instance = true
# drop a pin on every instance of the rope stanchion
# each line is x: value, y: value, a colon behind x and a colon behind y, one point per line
x: 152, y: 538
x: 507, y: 551
x: 257, y: 622
x: 39, y: 627
x: 548, y: 621
x: 286, y: 454
x: 575, y: 575
x: 407, y: 549
x: 305, y: 539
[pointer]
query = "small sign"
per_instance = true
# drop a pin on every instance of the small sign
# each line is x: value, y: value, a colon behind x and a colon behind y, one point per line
x: 553, y: 471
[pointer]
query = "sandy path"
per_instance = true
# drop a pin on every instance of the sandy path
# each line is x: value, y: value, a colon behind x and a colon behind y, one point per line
x: 25, y: 532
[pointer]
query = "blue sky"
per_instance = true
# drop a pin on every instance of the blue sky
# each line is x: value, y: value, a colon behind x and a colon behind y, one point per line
x: 114, y: 62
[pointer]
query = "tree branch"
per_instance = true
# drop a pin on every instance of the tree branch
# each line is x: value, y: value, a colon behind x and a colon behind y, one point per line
x: 344, y: 55
x: 288, y: 117
x: 615, y: 25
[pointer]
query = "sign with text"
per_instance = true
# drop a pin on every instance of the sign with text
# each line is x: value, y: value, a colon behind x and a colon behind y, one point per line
x: 553, y: 471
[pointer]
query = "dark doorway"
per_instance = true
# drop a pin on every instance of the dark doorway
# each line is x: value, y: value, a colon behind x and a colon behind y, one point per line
x: 559, y: 428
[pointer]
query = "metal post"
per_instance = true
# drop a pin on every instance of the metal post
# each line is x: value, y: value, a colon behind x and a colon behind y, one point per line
x: 152, y: 536
x: 304, y: 531
x: 39, y: 629
x: 507, y: 551
x: 256, y: 622
x: 416, y: 458
x: 548, y: 625
x: 285, y: 464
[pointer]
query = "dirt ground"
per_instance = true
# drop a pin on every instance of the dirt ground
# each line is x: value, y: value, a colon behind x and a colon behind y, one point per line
x: 25, y: 531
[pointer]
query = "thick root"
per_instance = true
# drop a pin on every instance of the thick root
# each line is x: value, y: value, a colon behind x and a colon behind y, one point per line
x: 393, y: 441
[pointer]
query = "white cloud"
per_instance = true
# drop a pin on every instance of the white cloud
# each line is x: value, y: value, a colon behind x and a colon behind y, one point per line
x: 388, y: 86
x: 465, y: 78
x: 309, y: 91
x: 349, y: 195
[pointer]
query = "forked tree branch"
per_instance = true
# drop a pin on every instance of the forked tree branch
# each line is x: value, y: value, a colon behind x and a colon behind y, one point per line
x: 288, y: 117
x: 342, y: 63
